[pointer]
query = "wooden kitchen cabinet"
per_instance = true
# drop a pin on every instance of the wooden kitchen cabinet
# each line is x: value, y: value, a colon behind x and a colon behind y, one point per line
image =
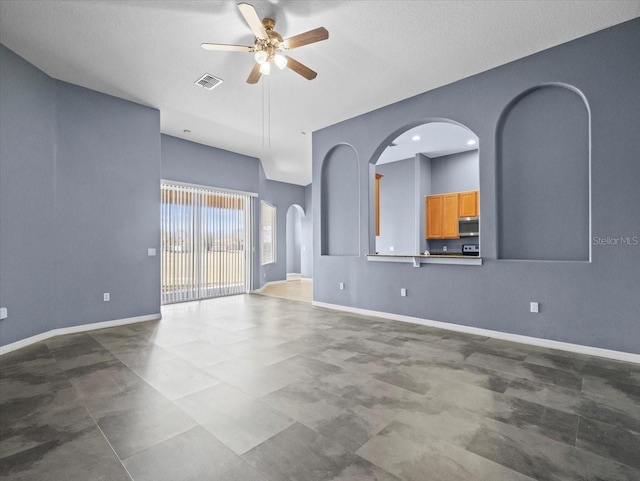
x: 434, y: 209
x: 468, y: 202
x: 444, y: 210
x: 450, y: 216
x: 442, y: 216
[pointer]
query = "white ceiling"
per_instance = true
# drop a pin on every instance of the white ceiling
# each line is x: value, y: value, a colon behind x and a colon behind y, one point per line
x: 378, y: 52
x: 433, y: 139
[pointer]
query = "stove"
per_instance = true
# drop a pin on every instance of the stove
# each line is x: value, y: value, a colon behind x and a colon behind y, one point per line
x: 470, y: 250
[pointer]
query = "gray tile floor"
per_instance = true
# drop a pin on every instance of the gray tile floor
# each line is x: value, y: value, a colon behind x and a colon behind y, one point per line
x: 259, y: 388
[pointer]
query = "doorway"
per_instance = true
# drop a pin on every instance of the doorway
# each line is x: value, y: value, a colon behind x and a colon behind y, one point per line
x: 206, y: 242
x: 295, y: 213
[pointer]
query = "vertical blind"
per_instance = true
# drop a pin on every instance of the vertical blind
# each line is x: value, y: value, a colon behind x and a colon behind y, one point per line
x: 206, y: 242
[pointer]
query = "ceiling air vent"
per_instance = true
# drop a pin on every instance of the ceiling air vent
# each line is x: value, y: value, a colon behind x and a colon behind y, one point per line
x: 209, y: 81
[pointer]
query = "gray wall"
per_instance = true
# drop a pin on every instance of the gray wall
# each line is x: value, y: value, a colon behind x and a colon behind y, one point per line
x: 79, y: 204
x: 397, y: 207
x: 455, y: 173
x: 294, y: 240
x: 80, y: 197
x: 27, y: 193
x: 339, y: 202
x: 185, y: 161
x: 590, y: 303
x: 544, y: 179
x: 194, y: 163
x: 307, y: 234
x: 281, y: 195
x: 423, y: 179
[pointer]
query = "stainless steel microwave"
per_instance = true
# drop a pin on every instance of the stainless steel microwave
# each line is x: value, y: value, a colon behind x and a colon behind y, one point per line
x: 469, y: 226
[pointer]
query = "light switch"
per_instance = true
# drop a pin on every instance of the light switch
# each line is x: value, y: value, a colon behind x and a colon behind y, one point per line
x: 3, y: 313
x: 534, y: 307
x: 151, y: 251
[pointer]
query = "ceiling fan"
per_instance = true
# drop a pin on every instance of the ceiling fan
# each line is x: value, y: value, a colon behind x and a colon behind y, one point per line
x: 270, y: 47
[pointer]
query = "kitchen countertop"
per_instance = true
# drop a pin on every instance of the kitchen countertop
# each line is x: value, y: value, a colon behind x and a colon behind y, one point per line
x: 417, y: 259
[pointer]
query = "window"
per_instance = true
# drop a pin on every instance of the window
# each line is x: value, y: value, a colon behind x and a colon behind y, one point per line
x: 268, y: 233
x: 206, y: 242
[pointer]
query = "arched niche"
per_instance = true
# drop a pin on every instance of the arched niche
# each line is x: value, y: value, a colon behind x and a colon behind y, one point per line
x: 543, y: 176
x: 295, y: 213
x: 432, y: 157
x: 340, y: 202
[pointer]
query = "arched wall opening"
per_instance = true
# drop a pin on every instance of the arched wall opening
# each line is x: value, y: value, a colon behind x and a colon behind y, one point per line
x: 420, y: 176
x: 295, y: 213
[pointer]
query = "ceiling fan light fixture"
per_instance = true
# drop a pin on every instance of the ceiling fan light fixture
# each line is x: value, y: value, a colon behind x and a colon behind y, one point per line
x: 261, y: 56
x: 280, y: 60
x: 265, y: 68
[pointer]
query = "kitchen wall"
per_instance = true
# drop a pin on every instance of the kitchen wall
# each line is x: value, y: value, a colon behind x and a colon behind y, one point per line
x: 79, y: 204
x: 397, y: 208
x: 590, y: 303
x: 455, y: 173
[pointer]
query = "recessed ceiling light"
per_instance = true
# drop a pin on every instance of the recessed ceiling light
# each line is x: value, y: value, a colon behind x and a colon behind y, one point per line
x: 471, y: 142
x: 186, y: 131
x: 415, y: 138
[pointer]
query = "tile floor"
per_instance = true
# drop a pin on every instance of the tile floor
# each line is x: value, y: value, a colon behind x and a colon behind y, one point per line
x: 258, y: 388
x: 298, y: 290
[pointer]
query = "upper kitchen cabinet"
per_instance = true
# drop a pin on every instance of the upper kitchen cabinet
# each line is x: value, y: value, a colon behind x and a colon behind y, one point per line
x: 434, y: 207
x: 444, y: 211
x: 450, y: 216
x: 468, y: 203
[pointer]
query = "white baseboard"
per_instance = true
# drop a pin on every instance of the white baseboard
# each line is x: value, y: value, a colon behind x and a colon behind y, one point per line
x: 75, y: 329
x: 257, y: 291
x: 533, y: 341
x: 293, y: 276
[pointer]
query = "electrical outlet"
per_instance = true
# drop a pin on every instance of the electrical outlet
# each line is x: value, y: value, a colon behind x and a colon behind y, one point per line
x: 342, y: 286
x: 534, y: 307
x: 391, y: 248
x: 403, y: 292
x: 151, y: 251
x: 3, y: 313
x: 444, y: 248
x: 106, y: 297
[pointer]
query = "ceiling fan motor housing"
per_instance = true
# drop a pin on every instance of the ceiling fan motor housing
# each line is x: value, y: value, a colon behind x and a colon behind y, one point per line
x: 273, y: 43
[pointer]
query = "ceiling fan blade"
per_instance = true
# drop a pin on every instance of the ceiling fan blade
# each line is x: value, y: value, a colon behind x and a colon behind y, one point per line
x: 255, y: 24
x: 255, y: 74
x: 301, y: 69
x: 229, y: 48
x: 312, y: 36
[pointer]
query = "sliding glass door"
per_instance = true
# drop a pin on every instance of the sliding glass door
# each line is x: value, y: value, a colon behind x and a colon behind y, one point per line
x: 206, y: 242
